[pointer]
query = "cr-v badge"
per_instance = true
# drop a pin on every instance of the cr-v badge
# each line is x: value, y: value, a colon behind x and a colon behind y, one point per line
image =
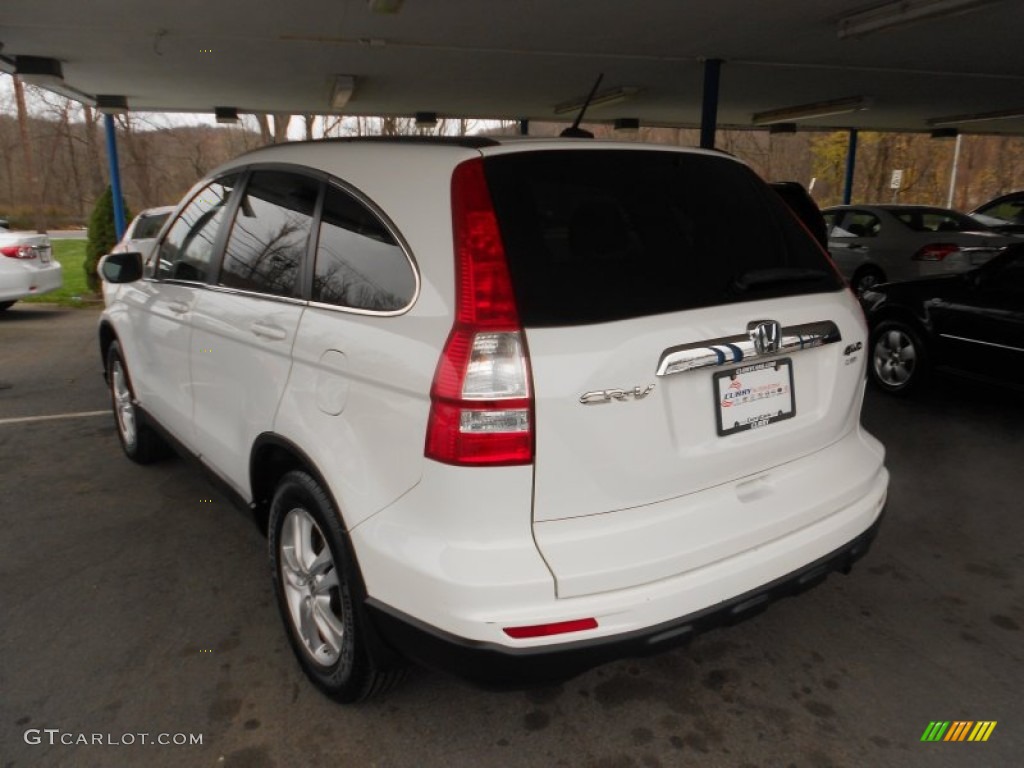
x: 608, y: 395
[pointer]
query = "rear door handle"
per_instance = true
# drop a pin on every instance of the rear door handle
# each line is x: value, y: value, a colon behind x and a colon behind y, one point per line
x: 178, y: 307
x: 268, y: 331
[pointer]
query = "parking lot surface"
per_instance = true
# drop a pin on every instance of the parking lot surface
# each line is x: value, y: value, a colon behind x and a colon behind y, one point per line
x: 136, y: 600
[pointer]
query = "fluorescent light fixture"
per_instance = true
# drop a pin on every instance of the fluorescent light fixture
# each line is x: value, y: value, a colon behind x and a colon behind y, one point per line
x: 603, y: 99
x: 226, y: 114
x: 344, y: 87
x: 977, y: 117
x: 384, y: 7
x: 810, y: 111
x: 426, y: 119
x: 627, y: 124
x: 902, y: 12
x: 39, y: 70
x: 111, y: 105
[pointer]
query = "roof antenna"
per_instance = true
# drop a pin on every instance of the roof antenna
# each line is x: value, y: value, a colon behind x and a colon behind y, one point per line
x: 574, y: 131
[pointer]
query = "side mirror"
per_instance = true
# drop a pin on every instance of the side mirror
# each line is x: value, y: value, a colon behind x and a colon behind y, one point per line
x: 121, y: 267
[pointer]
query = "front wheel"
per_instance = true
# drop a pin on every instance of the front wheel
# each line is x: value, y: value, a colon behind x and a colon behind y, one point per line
x: 140, y: 443
x: 899, y: 359
x: 314, y: 581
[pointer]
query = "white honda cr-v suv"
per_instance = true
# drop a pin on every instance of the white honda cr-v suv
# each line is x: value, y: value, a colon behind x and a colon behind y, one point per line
x: 508, y: 408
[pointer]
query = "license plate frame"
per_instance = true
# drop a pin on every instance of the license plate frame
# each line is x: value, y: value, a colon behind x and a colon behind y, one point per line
x: 754, y: 396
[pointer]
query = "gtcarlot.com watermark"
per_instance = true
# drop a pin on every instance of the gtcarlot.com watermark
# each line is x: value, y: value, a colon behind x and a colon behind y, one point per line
x: 55, y: 736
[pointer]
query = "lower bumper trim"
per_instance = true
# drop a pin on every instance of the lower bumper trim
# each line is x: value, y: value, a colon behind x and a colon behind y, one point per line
x: 498, y: 666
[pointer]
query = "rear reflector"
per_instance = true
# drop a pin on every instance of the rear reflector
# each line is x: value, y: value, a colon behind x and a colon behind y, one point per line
x: 545, y: 630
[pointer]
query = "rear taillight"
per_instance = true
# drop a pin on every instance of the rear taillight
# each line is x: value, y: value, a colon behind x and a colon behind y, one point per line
x: 481, y: 406
x: 18, y: 251
x: 935, y: 252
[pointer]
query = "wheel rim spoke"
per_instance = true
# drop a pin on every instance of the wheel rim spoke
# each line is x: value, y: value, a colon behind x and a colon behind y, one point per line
x: 331, y: 629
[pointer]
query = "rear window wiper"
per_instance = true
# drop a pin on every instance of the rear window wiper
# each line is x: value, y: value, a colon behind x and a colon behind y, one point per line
x: 758, y: 277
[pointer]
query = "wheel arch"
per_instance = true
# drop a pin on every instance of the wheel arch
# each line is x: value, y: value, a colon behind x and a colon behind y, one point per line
x: 107, y: 336
x: 272, y: 456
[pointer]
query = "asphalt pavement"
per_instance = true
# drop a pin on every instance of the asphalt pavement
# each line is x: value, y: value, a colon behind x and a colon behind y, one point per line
x: 136, y: 600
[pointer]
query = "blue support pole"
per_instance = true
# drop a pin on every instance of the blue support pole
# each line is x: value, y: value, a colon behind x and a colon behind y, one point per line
x: 709, y: 106
x: 851, y: 162
x: 524, y: 127
x: 115, y: 176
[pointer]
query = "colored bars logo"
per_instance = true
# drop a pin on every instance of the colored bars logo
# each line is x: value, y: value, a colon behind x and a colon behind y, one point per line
x: 958, y: 730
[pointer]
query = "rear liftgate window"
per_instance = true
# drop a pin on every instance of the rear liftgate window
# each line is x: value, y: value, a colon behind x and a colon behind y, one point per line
x: 595, y: 236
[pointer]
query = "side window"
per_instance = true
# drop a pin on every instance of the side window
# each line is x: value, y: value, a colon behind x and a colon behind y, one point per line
x: 358, y: 263
x: 270, y: 233
x: 186, y: 253
x: 1011, y: 211
x: 832, y: 219
x: 1006, y: 275
x: 862, y: 224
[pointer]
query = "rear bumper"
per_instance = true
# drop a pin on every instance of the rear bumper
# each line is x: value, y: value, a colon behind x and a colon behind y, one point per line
x: 18, y: 281
x: 494, y: 665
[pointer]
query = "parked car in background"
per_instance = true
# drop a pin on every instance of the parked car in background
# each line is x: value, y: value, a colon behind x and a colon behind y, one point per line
x: 510, y: 409
x: 141, y: 233
x: 27, y: 267
x: 971, y: 323
x: 1004, y: 214
x: 874, y: 244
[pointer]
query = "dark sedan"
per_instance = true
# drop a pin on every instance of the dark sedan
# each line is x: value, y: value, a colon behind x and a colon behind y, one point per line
x: 971, y: 323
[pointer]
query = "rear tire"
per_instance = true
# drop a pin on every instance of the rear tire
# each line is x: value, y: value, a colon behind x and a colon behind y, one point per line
x: 865, y: 278
x: 899, y: 358
x: 317, y: 593
x: 140, y: 443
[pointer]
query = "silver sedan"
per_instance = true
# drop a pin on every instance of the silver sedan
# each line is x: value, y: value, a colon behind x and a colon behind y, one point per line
x: 884, y: 243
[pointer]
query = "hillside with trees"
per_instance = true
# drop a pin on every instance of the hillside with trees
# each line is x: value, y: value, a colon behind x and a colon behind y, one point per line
x: 53, y: 164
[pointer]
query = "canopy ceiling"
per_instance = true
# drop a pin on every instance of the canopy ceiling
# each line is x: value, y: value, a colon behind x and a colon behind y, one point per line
x: 521, y: 58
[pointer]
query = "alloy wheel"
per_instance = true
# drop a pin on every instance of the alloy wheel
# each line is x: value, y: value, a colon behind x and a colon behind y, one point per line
x: 311, y: 589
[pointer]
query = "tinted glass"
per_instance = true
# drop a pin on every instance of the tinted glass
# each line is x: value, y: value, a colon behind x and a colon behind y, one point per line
x: 1005, y: 274
x: 186, y: 253
x: 595, y: 236
x: 358, y: 263
x: 862, y: 224
x: 936, y: 221
x: 149, y: 226
x: 1010, y: 211
x: 268, y: 239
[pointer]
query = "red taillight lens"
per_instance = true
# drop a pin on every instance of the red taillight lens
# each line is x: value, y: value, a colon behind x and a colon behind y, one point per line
x: 481, y: 405
x: 556, y: 628
x: 18, y: 251
x: 935, y: 252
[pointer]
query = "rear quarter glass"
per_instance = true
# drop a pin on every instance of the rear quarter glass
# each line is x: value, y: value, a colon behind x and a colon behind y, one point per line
x: 604, y: 235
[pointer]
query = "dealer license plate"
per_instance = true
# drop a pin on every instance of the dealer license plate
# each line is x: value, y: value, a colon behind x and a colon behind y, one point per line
x: 754, y: 396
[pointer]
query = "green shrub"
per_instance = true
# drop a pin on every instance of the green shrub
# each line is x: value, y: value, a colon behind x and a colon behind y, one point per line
x: 102, y: 236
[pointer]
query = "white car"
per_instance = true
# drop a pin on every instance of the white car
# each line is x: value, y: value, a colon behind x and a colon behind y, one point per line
x: 27, y: 267
x: 509, y: 408
x: 142, y: 231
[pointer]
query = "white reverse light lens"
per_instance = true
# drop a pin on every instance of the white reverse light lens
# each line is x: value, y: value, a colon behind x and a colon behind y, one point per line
x: 497, y: 368
x: 516, y: 420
